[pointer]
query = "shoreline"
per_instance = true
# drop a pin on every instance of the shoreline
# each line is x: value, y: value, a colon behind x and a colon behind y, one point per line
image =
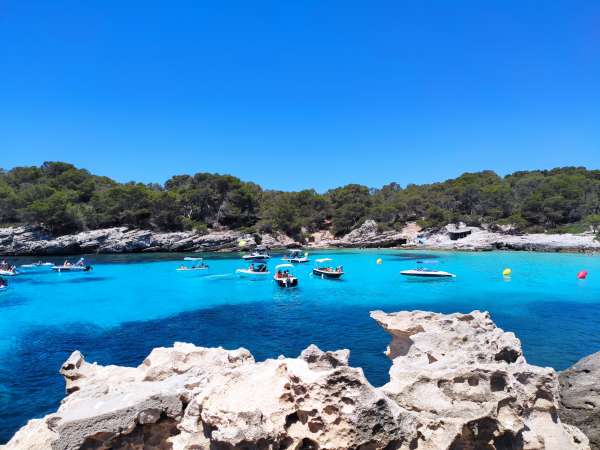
x: 278, y: 250
x: 27, y: 242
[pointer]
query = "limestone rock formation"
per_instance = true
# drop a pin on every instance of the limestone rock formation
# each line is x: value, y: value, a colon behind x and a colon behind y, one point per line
x: 580, y: 397
x: 485, y: 239
x: 456, y: 382
x: 470, y: 385
x: 188, y: 397
x: 26, y: 241
x: 366, y: 236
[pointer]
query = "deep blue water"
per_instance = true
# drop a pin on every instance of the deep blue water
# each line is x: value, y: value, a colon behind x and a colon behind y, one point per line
x: 130, y: 304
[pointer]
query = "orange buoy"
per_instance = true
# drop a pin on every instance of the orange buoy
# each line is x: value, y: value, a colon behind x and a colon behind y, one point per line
x: 582, y: 275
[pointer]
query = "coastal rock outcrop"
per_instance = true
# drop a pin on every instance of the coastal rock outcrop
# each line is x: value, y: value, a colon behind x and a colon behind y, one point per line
x: 27, y: 241
x: 15, y: 241
x: 580, y: 397
x: 367, y: 235
x: 456, y: 382
x: 484, y: 239
x: 188, y: 397
x: 470, y: 385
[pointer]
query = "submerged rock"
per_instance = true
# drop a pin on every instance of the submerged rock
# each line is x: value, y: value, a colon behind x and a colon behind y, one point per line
x: 456, y: 382
x: 580, y: 397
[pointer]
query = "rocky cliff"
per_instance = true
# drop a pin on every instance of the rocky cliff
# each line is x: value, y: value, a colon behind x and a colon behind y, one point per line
x: 367, y: 235
x: 456, y: 382
x: 580, y: 397
x: 26, y: 241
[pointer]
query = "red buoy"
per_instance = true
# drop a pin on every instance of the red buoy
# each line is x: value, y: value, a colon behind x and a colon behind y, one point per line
x: 582, y: 275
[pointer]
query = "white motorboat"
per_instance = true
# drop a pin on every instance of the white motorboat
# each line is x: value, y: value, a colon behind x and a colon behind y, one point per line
x: 296, y: 256
x: 324, y: 270
x: 256, y: 256
x: 284, y: 277
x: 426, y: 273
x: 260, y: 253
x: 192, y: 258
x: 8, y: 272
x: 183, y: 268
x: 256, y: 271
x: 37, y: 265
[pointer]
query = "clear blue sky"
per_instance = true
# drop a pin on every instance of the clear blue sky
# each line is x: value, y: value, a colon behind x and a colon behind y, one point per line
x: 300, y: 94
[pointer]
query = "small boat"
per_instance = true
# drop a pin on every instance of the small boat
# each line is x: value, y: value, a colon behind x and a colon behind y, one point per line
x: 79, y: 266
x: 426, y: 273
x: 192, y: 258
x: 296, y: 256
x: 324, y: 270
x: 259, y: 254
x: 183, y: 268
x: 72, y: 268
x: 283, y: 277
x: 8, y: 272
x: 257, y: 271
x: 36, y: 265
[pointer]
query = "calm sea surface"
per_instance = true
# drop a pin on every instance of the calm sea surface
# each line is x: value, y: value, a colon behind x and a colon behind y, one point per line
x: 130, y: 304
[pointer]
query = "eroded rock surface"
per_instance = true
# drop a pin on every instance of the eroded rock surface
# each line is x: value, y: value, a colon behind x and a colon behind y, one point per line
x: 485, y: 239
x: 580, y: 397
x: 26, y: 241
x: 456, y: 382
x: 366, y: 235
x: 470, y: 385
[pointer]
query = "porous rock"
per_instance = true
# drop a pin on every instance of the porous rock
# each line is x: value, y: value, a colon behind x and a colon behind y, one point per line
x: 470, y: 385
x: 456, y: 382
x: 31, y: 241
x: 580, y: 397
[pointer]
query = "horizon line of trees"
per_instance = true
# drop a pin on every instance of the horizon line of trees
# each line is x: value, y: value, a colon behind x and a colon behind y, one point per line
x: 62, y: 198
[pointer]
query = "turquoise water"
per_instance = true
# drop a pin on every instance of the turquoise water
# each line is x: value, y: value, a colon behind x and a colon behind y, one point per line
x: 130, y: 304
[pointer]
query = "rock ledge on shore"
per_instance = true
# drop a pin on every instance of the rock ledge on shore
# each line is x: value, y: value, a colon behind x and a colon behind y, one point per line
x: 456, y: 382
x: 22, y: 241
x: 27, y: 241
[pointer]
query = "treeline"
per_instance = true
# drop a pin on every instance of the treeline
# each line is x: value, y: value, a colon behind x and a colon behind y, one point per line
x: 64, y: 199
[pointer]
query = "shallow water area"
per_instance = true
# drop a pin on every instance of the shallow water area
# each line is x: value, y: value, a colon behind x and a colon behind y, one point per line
x: 131, y: 303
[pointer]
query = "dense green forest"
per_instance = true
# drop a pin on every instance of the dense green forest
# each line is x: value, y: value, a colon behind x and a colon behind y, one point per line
x: 63, y: 199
